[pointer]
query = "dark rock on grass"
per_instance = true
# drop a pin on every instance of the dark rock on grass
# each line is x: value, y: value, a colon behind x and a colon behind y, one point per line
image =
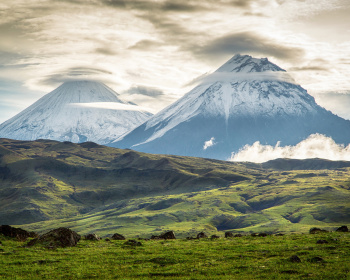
x: 107, y: 239
x: 118, y: 236
x: 321, y: 241
x: 316, y: 260
x: 167, y: 235
x: 262, y: 234
x: 190, y: 238
x: 92, y: 237
x: 316, y: 230
x: 290, y: 271
x: 18, y: 233
x: 214, y: 236
x: 238, y: 235
x: 279, y: 234
x: 133, y: 242
x: 342, y: 229
x: 60, y: 237
x: 228, y: 234
x: 295, y: 259
x: 0, y: 243
x: 201, y: 235
x: 155, y: 237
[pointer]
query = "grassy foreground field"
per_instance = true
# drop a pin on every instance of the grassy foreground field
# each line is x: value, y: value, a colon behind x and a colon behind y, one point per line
x: 245, y: 257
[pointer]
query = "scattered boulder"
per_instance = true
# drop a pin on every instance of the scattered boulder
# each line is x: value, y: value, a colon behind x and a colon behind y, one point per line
x: 201, y: 235
x: 316, y: 230
x: 316, y: 260
x: 92, y: 237
x: 60, y: 237
x: 168, y: 235
x: 228, y: 234
x: 279, y: 234
x: 118, y: 236
x: 190, y: 238
x: 342, y: 229
x: 262, y: 234
x: 321, y: 241
x: 295, y: 259
x: 214, y: 236
x: 18, y: 233
x: 238, y: 235
x: 155, y: 237
x: 107, y: 239
x: 133, y: 242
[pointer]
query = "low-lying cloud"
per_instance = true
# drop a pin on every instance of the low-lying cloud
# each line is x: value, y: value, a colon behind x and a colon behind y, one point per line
x: 209, y: 143
x: 109, y: 106
x: 315, y: 146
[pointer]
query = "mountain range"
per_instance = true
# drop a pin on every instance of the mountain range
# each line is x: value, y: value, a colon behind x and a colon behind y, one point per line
x: 77, y: 111
x: 244, y: 101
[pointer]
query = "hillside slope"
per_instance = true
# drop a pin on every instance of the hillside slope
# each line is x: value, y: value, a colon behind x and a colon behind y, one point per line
x: 93, y: 188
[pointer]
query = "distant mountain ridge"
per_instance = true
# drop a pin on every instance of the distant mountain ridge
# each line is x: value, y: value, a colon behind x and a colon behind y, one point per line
x: 75, y: 112
x: 244, y: 101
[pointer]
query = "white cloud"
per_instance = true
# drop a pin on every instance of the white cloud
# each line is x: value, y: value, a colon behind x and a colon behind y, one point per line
x: 109, y: 106
x: 209, y: 143
x: 315, y: 146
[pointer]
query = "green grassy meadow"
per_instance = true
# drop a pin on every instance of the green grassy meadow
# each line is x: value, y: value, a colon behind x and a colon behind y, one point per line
x: 245, y: 257
x: 96, y: 189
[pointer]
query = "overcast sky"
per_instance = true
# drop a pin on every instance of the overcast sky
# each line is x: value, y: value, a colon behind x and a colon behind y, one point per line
x: 148, y: 51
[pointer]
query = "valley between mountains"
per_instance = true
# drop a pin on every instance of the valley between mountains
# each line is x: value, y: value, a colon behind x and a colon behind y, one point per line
x: 89, y: 188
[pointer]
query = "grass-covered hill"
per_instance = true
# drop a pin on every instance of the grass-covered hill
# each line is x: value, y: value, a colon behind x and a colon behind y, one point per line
x: 91, y: 188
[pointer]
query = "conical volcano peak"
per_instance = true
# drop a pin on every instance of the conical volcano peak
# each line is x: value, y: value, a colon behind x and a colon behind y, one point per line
x: 76, y: 111
x: 85, y: 91
x: 247, y: 64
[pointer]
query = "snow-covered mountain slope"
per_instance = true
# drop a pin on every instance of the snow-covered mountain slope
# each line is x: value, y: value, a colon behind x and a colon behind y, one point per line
x: 244, y: 101
x: 76, y: 111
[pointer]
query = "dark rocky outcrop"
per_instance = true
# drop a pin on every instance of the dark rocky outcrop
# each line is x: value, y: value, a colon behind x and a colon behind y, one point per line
x: 117, y: 236
x: 228, y: 234
x: 343, y: 229
x: 295, y: 259
x: 214, y: 236
x: 18, y: 233
x: 168, y: 235
x: 316, y: 260
x: 92, y: 237
x: 321, y: 241
x: 201, y: 235
x: 133, y: 242
x: 316, y: 230
x: 60, y: 237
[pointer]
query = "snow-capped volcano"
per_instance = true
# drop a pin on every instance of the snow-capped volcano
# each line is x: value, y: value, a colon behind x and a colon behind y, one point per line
x: 244, y: 101
x: 76, y: 111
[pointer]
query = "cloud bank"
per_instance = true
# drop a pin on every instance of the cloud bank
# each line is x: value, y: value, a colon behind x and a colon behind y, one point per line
x: 315, y: 146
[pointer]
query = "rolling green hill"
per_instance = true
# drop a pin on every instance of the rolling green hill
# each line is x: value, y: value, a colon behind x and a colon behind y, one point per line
x: 91, y: 188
